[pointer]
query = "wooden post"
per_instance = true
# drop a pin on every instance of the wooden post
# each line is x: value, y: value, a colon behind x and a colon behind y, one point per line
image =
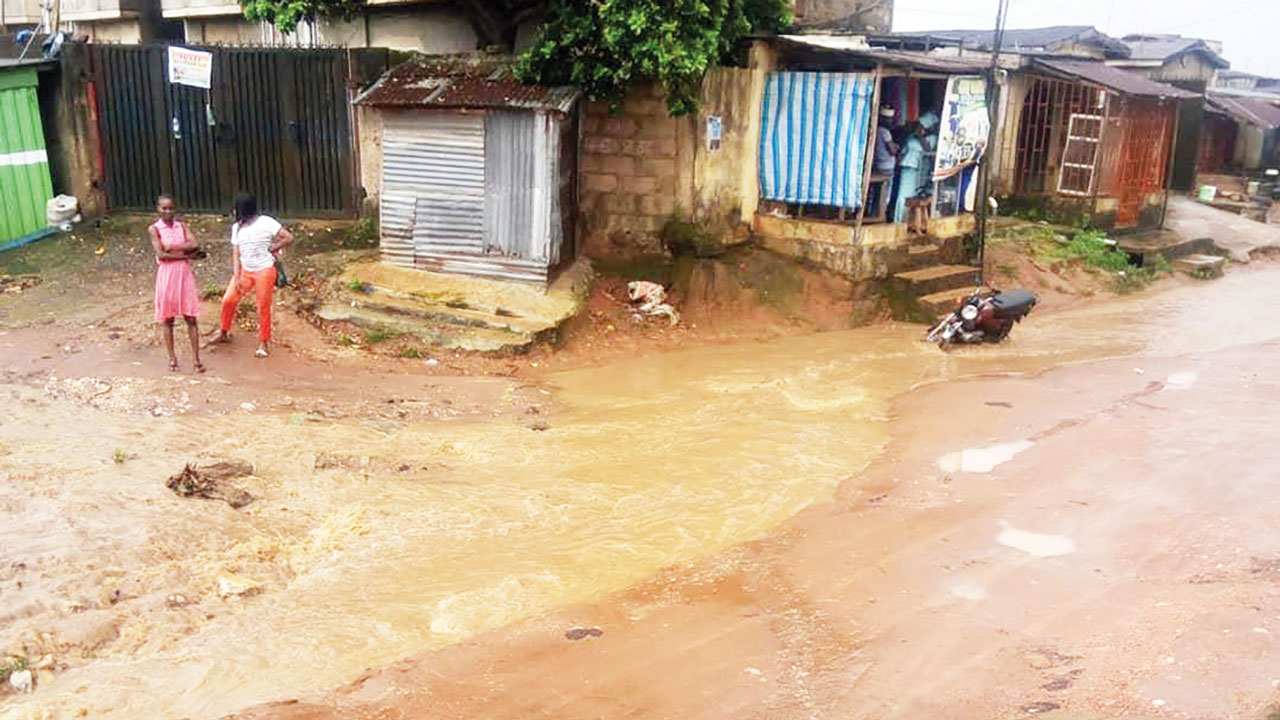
x: 869, y: 156
x: 1173, y: 151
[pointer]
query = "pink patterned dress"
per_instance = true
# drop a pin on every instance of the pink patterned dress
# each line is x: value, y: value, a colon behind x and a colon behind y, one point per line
x: 176, y: 292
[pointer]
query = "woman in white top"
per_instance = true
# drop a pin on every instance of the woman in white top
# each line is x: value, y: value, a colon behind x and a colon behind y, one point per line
x: 256, y: 240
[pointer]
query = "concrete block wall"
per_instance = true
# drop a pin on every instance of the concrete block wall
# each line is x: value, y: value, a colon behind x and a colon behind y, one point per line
x: 635, y: 172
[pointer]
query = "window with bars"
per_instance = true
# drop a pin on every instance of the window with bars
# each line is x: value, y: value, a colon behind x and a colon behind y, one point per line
x: 1080, y: 156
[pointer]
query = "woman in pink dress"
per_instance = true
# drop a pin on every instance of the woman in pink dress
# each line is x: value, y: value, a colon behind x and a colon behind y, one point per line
x: 176, y: 292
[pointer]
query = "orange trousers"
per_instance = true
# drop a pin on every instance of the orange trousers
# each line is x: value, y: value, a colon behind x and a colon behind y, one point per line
x: 263, y: 285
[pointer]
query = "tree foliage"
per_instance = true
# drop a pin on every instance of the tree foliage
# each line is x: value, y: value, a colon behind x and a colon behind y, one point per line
x: 608, y: 46
x: 286, y: 14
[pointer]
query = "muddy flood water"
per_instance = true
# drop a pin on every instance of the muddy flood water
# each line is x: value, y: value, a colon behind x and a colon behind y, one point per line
x: 374, y: 538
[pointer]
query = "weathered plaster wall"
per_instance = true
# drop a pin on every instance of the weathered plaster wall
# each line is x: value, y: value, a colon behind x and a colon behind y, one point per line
x: 869, y: 15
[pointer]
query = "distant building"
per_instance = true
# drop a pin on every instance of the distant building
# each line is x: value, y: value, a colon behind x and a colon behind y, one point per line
x: 1189, y: 63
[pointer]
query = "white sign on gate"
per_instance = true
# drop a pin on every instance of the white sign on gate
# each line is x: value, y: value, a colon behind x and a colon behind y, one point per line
x: 190, y: 67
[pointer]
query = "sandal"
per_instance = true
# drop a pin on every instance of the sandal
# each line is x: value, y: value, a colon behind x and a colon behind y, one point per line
x: 199, y: 367
x: 260, y: 352
x: 173, y: 366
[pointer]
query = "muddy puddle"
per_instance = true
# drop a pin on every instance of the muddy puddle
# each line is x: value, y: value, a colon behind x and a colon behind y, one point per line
x: 368, y: 541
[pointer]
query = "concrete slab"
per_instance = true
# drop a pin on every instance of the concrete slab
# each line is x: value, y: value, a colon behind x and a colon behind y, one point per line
x: 456, y: 312
x: 1237, y: 235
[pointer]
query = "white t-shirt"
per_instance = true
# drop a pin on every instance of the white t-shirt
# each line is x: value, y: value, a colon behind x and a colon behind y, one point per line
x: 254, y: 241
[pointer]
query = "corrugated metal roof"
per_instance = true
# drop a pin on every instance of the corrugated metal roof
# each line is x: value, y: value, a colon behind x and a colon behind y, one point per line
x: 856, y: 46
x: 1254, y: 112
x: 1113, y: 78
x: 463, y: 82
x: 1022, y: 39
x: 1163, y: 47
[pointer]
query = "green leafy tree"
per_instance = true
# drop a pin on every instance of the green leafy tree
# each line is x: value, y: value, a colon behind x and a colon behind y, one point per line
x: 286, y: 14
x: 608, y: 46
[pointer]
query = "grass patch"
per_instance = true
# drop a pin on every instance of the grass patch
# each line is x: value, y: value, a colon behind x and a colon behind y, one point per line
x: 373, y: 337
x: 1089, y: 247
x: 346, y: 340
x: 210, y: 291
x: 1007, y: 270
x: 412, y: 353
x: 119, y: 456
x: 17, y: 665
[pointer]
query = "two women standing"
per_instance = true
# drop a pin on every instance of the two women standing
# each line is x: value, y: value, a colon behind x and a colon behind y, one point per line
x: 256, y: 240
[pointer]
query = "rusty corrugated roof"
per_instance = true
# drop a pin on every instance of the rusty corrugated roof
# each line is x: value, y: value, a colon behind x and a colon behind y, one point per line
x: 463, y: 82
x: 855, y: 46
x: 1114, y: 78
x: 1254, y: 112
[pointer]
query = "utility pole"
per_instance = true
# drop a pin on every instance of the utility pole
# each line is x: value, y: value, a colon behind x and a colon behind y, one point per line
x: 993, y: 115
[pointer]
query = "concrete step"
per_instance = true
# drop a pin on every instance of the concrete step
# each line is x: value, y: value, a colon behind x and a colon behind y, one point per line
x: 381, y: 300
x: 939, y: 278
x: 1147, y: 245
x: 922, y: 256
x: 1208, y: 266
x: 438, y: 333
x: 941, y: 303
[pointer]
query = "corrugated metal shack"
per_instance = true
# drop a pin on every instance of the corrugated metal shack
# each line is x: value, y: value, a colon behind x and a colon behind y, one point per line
x: 478, y: 170
x: 25, y: 186
x: 1242, y: 133
x: 1093, y: 139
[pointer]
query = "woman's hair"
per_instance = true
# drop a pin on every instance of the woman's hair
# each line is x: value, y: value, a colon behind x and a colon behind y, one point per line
x: 246, y: 207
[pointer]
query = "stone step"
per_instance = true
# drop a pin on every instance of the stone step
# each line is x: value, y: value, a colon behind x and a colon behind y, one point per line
x: 442, y: 334
x: 941, y: 303
x: 921, y: 256
x: 1200, y: 265
x: 1171, y: 246
x: 939, y: 278
x: 381, y: 300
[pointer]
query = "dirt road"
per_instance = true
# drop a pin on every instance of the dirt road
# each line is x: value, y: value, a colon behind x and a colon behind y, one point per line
x: 407, y: 510
x: 1093, y: 541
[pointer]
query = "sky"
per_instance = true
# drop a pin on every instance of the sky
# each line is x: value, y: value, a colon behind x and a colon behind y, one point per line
x: 1248, y: 29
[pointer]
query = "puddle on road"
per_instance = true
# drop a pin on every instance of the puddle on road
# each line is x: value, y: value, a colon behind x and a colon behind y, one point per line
x: 982, y: 460
x: 1036, y: 544
x: 652, y: 462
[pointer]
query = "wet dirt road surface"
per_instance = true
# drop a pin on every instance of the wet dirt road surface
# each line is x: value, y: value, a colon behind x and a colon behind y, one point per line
x: 913, y: 582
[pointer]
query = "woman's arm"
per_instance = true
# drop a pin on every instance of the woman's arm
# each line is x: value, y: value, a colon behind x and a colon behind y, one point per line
x: 189, y: 244
x: 235, y: 263
x: 161, y: 253
x: 282, y: 240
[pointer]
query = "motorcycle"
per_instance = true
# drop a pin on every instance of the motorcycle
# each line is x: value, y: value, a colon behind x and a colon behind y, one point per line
x: 983, y: 317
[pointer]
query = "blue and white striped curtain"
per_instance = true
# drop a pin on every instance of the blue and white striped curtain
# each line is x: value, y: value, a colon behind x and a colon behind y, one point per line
x: 813, y: 137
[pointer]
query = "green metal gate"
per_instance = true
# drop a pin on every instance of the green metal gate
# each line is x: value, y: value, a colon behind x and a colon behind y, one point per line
x: 25, y: 186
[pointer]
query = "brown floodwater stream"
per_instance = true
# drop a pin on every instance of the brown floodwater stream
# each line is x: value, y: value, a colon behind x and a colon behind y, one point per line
x: 412, y: 535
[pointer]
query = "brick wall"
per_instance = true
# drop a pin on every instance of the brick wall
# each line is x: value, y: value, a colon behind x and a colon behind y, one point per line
x: 631, y: 175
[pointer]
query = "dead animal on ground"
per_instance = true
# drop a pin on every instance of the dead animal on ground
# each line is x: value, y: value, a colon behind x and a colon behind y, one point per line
x: 652, y: 300
x: 213, y: 482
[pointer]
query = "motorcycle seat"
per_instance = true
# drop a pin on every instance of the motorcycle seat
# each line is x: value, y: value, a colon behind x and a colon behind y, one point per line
x: 1013, y: 303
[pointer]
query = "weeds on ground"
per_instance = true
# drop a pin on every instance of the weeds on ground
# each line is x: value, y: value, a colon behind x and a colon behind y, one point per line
x: 373, y: 337
x: 1089, y: 247
x: 1007, y: 270
x: 210, y: 291
x: 119, y: 456
x: 346, y: 340
x: 410, y: 352
x: 15, y: 665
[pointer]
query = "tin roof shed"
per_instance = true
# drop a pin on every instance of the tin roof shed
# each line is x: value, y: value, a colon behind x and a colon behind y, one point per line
x: 478, y: 170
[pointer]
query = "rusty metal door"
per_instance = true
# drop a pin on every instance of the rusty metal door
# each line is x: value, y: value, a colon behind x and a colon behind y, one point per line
x: 275, y: 123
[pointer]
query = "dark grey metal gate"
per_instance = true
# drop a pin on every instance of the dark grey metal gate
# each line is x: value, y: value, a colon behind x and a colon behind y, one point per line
x: 275, y: 123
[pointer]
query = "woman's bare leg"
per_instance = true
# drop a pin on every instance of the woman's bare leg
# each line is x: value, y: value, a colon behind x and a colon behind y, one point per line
x: 166, y: 329
x: 193, y: 333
